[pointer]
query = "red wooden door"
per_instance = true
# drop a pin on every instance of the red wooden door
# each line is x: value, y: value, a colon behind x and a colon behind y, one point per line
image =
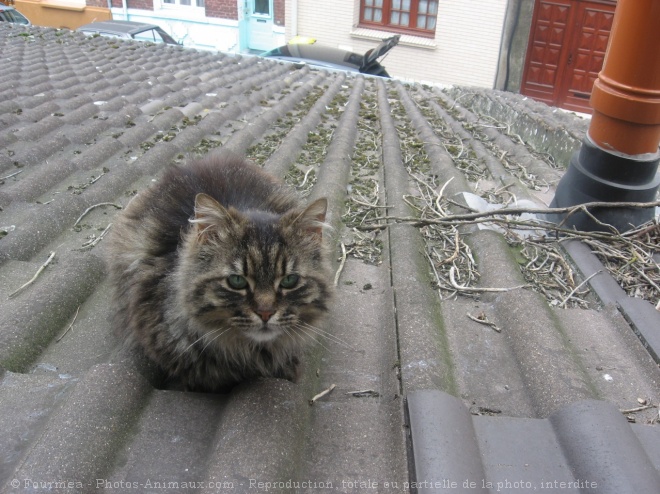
x: 566, y: 51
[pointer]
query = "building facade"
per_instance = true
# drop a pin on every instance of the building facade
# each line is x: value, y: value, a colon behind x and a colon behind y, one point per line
x: 223, y: 25
x: 442, y: 41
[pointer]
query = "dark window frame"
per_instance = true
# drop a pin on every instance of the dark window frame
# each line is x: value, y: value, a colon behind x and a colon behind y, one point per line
x: 384, y: 24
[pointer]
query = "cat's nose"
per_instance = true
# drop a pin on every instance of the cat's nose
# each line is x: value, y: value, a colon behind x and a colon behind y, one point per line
x: 265, y: 314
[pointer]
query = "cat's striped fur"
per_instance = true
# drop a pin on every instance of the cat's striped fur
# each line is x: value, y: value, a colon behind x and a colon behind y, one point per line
x: 219, y: 273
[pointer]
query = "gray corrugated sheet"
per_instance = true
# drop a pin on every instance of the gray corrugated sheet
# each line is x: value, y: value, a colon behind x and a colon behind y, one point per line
x: 91, y: 121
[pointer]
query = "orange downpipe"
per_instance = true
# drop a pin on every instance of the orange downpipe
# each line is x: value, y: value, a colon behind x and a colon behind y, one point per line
x: 626, y: 95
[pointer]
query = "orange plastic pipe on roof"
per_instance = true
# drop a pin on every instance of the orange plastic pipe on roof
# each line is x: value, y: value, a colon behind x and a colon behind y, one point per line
x: 626, y: 95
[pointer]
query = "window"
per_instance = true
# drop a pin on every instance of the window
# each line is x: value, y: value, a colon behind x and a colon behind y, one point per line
x: 185, y: 3
x: 407, y: 16
x: 261, y: 7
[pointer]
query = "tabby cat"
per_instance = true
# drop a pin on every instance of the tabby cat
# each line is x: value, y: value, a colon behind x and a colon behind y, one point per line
x: 219, y: 274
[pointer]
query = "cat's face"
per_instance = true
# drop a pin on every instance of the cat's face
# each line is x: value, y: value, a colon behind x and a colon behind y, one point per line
x: 255, y: 275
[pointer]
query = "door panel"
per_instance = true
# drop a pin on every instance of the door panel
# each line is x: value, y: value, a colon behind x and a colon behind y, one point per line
x: 566, y: 50
x: 544, y: 59
x: 260, y: 24
x: 586, y: 55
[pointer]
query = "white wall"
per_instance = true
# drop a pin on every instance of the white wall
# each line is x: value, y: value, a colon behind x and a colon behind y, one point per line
x: 465, y: 50
x: 196, y: 31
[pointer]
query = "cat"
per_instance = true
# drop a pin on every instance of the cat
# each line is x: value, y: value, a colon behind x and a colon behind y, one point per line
x: 219, y: 274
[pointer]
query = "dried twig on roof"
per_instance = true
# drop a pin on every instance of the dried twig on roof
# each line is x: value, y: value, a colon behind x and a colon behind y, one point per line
x: 36, y: 275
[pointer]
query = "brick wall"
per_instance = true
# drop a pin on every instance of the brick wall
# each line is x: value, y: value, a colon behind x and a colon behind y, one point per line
x: 133, y: 4
x: 97, y: 3
x: 278, y: 7
x: 224, y: 9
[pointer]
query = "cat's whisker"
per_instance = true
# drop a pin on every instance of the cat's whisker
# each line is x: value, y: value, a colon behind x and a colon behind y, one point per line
x: 324, y: 334
x: 204, y: 336
x: 311, y: 330
x: 302, y: 332
x: 193, y: 343
x: 296, y: 327
x: 327, y: 335
x: 293, y: 334
x: 214, y: 338
x: 284, y: 330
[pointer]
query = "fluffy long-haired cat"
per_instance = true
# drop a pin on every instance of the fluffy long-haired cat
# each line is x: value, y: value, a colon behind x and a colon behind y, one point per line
x: 219, y: 273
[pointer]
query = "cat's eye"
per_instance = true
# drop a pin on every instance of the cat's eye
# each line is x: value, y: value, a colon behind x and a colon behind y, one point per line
x: 237, y: 282
x: 289, y: 281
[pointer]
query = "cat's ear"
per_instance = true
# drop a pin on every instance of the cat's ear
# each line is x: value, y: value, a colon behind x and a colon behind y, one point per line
x: 312, y: 219
x: 210, y: 217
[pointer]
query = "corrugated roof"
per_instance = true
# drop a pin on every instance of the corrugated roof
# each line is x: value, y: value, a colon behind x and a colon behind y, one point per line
x: 460, y: 354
